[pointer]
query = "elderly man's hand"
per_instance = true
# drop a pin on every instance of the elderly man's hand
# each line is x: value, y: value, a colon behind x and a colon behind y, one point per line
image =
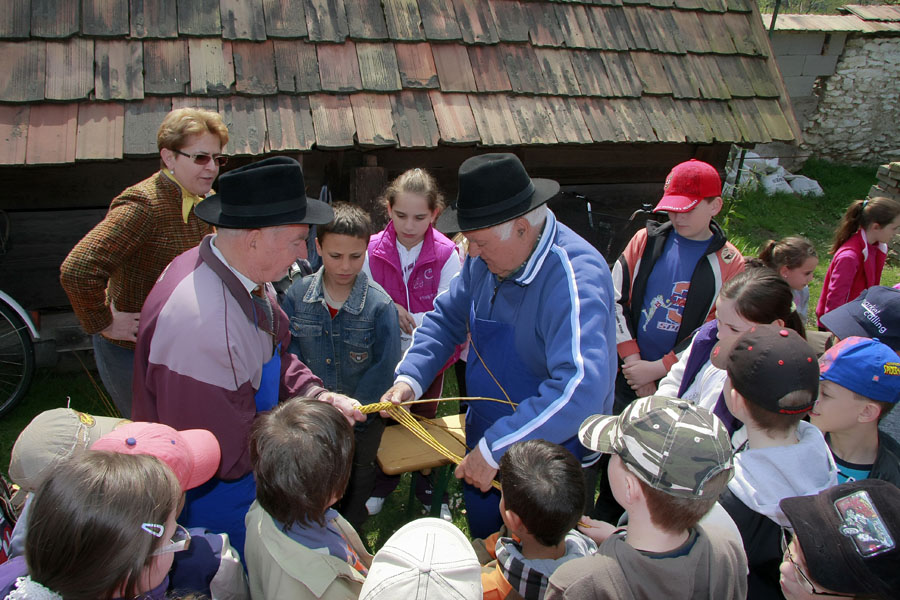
x: 348, y: 406
x: 476, y: 471
x: 124, y: 326
x: 397, y: 393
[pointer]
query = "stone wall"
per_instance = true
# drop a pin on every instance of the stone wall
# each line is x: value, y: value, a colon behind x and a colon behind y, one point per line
x: 857, y: 117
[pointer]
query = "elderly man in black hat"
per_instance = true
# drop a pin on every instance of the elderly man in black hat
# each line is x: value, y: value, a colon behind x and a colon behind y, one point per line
x: 537, y: 301
x: 212, y: 349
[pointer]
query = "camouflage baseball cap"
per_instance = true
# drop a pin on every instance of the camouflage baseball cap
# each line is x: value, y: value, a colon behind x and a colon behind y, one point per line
x: 670, y: 444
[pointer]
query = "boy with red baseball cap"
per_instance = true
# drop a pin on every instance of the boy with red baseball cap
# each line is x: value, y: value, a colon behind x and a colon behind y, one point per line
x: 666, y: 281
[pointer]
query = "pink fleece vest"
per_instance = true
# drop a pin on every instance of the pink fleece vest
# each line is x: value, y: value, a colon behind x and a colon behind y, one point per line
x: 384, y: 263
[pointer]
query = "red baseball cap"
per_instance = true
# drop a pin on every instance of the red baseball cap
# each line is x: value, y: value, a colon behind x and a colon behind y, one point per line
x: 192, y: 454
x: 687, y: 184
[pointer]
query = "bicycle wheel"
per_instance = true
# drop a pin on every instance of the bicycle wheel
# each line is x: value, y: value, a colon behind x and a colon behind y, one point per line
x: 16, y: 358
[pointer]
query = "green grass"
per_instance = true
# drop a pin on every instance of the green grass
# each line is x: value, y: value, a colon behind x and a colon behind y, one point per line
x: 754, y: 218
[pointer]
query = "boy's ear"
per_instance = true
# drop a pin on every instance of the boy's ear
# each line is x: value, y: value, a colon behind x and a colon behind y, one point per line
x: 736, y: 404
x: 633, y: 490
x: 716, y: 205
x: 318, y: 246
x: 869, y: 413
x: 514, y: 522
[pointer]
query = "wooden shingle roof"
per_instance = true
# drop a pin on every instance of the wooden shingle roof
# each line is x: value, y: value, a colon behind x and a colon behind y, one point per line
x: 92, y: 79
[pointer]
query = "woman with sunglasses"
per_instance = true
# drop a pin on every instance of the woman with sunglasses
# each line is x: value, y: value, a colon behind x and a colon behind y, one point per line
x: 844, y: 542
x: 102, y: 525
x: 109, y: 273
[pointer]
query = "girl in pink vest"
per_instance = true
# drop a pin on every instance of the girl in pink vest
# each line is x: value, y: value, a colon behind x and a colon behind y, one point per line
x: 413, y: 262
x: 860, y: 249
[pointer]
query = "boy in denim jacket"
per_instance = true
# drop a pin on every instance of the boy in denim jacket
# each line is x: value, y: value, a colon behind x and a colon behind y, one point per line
x: 344, y: 328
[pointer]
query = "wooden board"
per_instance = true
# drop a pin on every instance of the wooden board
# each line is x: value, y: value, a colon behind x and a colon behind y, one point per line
x: 204, y: 102
x: 523, y: 68
x: 333, y: 120
x: 695, y: 129
x: 543, y: 24
x: 366, y: 19
x: 761, y: 78
x: 475, y: 22
x: 154, y: 19
x: 707, y: 74
x: 55, y: 18
x: 712, y: 26
x: 510, y: 20
x: 743, y: 111
x: 607, y: 36
x: 559, y: 74
x: 23, y: 73
x: 289, y: 122
x: 439, y: 20
x: 618, y: 23
x: 738, y: 26
x: 774, y: 119
x: 71, y: 65
x: 636, y: 29
x: 651, y: 71
x: 690, y: 31
x: 100, y: 132
x: 285, y: 18
x: 532, y: 119
x: 575, y: 26
x: 454, y: 117
x: 622, y: 73
x: 374, y: 123
x: 453, y: 68
x: 590, y: 73
x: 601, y: 120
x: 567, y: 121
x: 243, y: 20
x: 401, y: 451
x: 404, y: 22
x: 212, y: 66
x: 142, y: 120
x: 660, y: 112
x: 416, y: 65
x: 326, y: 21
x: 378, y: 67
x: 104, y: 17
x: 199, y: 17
x: 119, y: 70
x: 246, y: 121
x: 682, y: 78
x: 13, y: 133
x: 16, y: 21
x: 717, y: 117
x: 489, y: 68
x: 661, y: 30
x: 254, y: 67
x: 297, y: 66
x: 414, y: 120
x: 51, y: 134
x: 494, y: 120
x: 166, y: 66
x: 339, y: 67
x: 736, y: 80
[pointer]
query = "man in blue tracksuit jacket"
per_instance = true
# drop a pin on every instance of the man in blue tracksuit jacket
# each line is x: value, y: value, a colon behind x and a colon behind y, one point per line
x: 537, y: 301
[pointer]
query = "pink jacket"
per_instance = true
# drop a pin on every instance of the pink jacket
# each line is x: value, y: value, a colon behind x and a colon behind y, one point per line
x: 856, y: 266
x: 384, y: 262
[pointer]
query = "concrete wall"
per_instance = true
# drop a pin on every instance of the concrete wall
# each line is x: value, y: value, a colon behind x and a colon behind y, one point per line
x: 804, y: 57
x: 857, y: 117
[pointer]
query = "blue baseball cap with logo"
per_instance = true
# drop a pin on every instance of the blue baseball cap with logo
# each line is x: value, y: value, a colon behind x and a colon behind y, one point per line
x: 874, y: 314
x: 865, y: 366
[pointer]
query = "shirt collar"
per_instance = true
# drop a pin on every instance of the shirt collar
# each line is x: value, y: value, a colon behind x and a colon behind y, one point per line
x: 248, y: 283
x: 188, y: 199
x: 532, y: 266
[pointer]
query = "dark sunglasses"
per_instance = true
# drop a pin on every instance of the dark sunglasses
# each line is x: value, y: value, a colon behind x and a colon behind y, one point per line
x: 203, y: 159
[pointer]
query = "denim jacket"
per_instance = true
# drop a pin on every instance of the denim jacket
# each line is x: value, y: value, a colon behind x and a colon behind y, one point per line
x: 356, y: 352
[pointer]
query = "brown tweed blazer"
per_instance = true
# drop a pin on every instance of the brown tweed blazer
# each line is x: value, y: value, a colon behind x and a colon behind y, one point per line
x: 121, y: 258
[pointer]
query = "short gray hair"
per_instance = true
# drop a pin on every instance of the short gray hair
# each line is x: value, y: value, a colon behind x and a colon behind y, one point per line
x: 535, y: 216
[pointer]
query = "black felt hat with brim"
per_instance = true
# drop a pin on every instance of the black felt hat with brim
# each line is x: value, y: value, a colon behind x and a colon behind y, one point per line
x: 850, y: 537
x: 267, y: 193
x: 494, y: 189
